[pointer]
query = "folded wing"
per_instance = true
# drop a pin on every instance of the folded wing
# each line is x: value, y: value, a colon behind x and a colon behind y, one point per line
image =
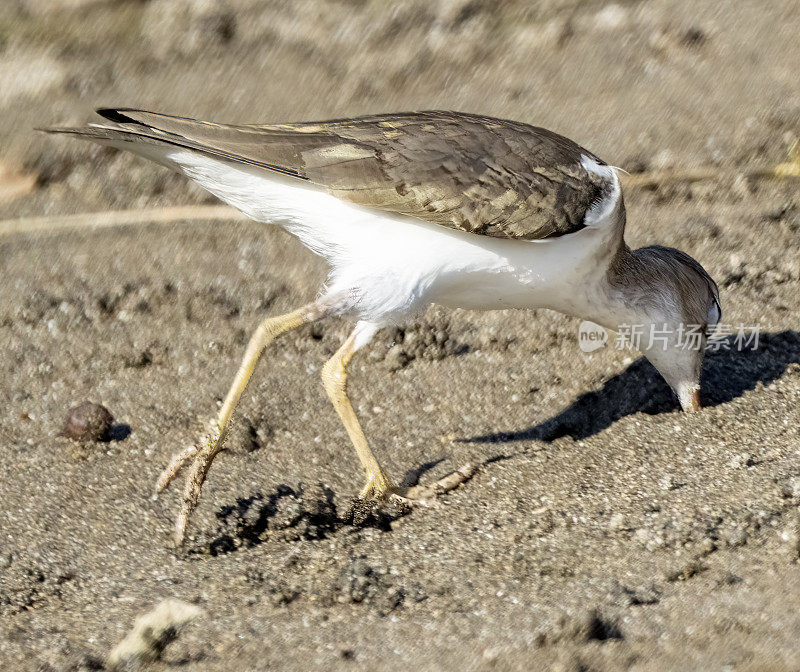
x: 478, y: 174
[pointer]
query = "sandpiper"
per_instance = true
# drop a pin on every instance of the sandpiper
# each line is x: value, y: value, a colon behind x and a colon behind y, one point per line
x: 411, y: 209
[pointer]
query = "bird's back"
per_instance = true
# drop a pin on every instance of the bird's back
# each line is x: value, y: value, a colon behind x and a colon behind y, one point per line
x: 472, y: 173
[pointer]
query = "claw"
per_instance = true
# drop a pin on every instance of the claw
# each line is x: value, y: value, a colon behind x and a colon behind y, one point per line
x: 203, y: 453
x: 174, y: 467
x: 383, y: 488
x: 424, y: 493
x: 210, y: 437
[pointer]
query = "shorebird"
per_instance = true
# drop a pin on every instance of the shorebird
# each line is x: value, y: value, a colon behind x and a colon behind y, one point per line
x: 412, y: 209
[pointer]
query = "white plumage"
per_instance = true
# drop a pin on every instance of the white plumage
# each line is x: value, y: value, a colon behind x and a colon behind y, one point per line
x: 385, y: 267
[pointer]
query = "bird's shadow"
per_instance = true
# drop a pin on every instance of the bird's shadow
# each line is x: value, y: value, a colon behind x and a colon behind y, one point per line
x: 413, y: 475
x: 727, y: 374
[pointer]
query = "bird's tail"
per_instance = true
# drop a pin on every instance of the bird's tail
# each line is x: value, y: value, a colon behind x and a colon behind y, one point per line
x: 144, y: 140
x: 154, y: 135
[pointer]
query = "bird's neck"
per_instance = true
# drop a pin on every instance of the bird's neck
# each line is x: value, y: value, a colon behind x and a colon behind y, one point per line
x: 590, y: 279
x: 631, y: 288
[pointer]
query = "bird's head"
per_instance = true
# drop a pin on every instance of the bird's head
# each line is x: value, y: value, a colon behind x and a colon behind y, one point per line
x: 673, y: 306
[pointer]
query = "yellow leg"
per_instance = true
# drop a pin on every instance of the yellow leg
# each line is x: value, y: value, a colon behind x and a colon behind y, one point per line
x: 212, y: 442
x: 334, y: 377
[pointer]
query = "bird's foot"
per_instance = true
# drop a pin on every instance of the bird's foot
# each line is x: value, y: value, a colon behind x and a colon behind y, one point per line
x: 203, y: 453
x: 171, y: 471
x: 380, y: 486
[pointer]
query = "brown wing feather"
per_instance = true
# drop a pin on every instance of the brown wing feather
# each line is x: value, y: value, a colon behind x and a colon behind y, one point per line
x: 468, y: 172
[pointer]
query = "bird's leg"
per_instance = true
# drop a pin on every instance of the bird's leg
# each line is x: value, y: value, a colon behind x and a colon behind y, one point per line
x: 334, y: 377
x: 205, y: 450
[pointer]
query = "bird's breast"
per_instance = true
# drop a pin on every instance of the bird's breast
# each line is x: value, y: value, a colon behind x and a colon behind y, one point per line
x: 561, y: 273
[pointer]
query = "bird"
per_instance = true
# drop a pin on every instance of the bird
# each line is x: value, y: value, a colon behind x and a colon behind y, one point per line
x: 433, y: 207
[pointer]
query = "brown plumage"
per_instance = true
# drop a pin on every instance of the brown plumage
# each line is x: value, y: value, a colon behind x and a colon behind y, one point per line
x: 473, y: 173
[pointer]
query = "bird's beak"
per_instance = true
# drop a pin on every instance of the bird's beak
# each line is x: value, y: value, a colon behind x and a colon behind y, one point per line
x: 689, y: 396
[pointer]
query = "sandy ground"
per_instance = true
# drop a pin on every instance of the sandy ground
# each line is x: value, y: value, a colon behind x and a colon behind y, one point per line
x: 605, y: 530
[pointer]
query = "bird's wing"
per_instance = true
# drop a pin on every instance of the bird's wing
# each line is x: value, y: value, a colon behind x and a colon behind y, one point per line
x: 472, y: 173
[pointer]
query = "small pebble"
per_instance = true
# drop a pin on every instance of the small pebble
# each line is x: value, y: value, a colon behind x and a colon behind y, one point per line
x: 791, y: 489
x: 611, y: 17
x: 684, y: 572
x: 667, y: 483
x: 649, y: 539
x: 776, y: 213
x: 743, y: 187
x: 87, y: 422
x: 396, y: 358
x: 737, y: 537
x: 617, y: 522
x: 646, y: 593
x: 791, y: 541
x: 706, y: 546
x: 742, y: 460
x: 727, y: 578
